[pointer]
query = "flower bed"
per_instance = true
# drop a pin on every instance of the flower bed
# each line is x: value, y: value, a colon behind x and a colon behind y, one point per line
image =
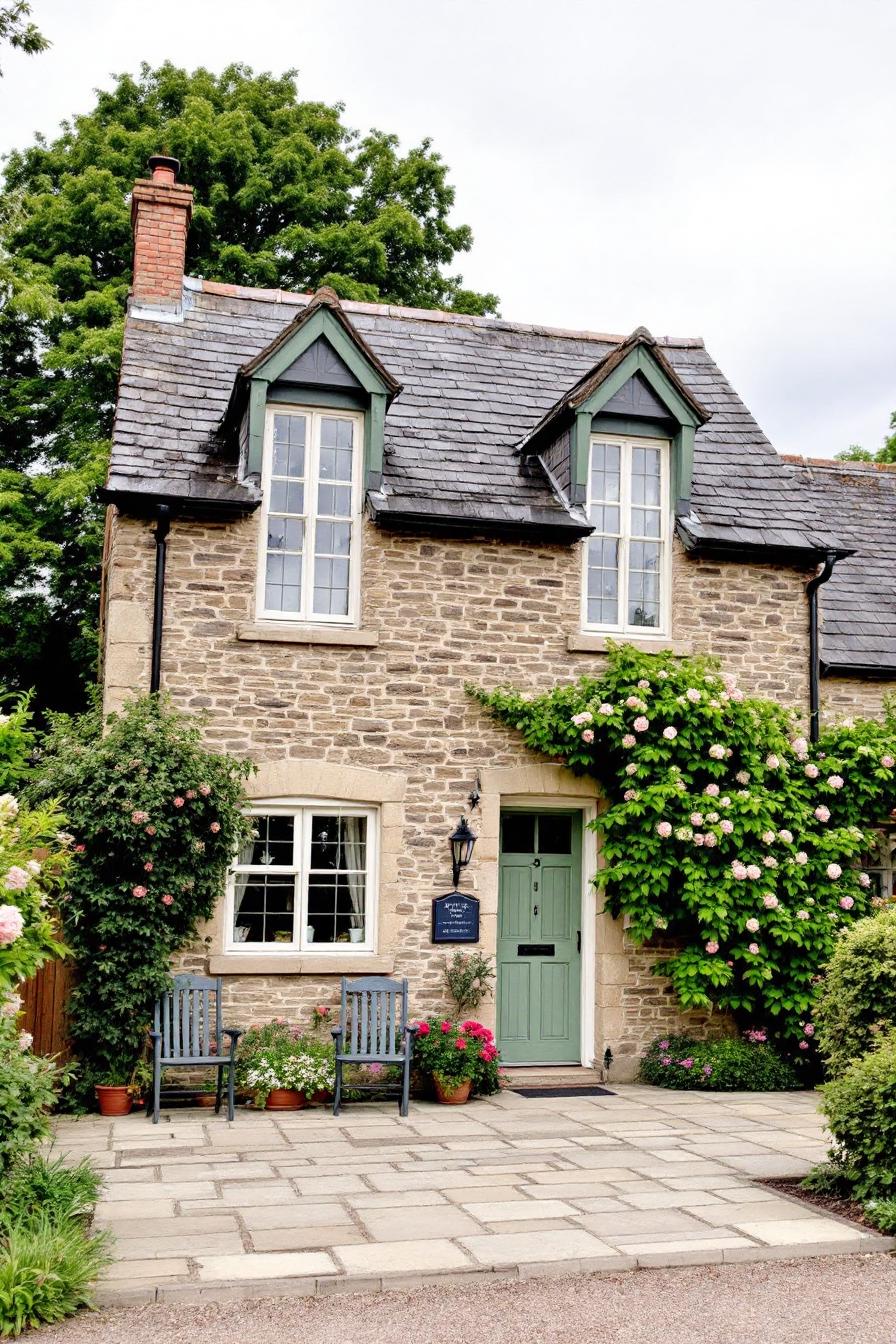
x: 279, y: 1056
x: 725, y: 1065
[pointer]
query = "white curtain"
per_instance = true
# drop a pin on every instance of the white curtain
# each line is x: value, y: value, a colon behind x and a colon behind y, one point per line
x: 354, y: 849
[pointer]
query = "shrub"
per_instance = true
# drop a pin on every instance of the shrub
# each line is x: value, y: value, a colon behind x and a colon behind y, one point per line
x: 157, y: 819
x: 46, y: 1269
x: 858, y: 996
x: 17, y: 741
x: 882, y: 1213
x: 45, y: 1187
x: 27, y: 1093
x: 457, y: 1052
x: 468, y: 977
x: 726, y: 1065
x: 727, y: 833
x: 860, y: 1108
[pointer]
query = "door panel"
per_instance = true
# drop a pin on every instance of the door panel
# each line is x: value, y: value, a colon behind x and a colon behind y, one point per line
x: 538, y: 960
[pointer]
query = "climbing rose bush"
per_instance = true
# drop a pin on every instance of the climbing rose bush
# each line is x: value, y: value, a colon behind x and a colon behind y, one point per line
x: 727, y: 834
x: 156, y: 818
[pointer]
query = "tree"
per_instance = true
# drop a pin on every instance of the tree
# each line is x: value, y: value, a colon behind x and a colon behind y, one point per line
x: 18, y: 32
x: 885, y: 453
x: 285, y: 195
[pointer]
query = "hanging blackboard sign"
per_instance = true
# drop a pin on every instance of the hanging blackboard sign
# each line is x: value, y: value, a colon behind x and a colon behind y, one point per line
x: 455, y: 918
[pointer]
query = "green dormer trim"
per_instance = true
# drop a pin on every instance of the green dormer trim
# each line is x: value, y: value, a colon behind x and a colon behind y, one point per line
x: 683, y: 412
x: 271, y: 377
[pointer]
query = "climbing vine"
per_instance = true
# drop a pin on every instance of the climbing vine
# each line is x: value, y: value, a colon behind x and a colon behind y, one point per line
x: 726, y: 833
x: 155, y: 820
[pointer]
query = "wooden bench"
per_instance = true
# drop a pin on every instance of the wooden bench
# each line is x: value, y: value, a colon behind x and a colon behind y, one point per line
x: 188, y: 1032
x: 373, y: 1029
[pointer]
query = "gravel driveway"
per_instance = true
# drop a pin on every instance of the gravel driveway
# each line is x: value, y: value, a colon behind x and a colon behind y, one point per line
x: 811, y: 1301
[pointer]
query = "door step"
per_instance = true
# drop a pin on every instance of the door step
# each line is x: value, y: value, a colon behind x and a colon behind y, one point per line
x: 551, y: 1075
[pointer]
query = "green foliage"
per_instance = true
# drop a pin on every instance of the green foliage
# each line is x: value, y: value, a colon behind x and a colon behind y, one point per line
x: 882, y: 1213
x: 829, y: 1178
x: 27, y: 1092
x: 455, y: 1052
x: 45, y: 1187
x: 468, y: 978
x: 727, y: 838
x: 857, y: 1002
x: 885, y: 453
x: 156, y: 819
x: 285, y: 195
x: 725, y: 1065
x: 46, y: 1271
x: 860, y: 1108
x: 17, y: 742
x: 280, y: 1055
x: 18, y: 31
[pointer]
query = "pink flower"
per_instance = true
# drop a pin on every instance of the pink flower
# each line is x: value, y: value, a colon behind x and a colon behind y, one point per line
x: 167, y: 900
x: 846, y: 902
x: 727, y: 826
x: 631, y: 768
x: 772, y: 761
x: 743, y: 776
x: 802, y: 914
x: 670, y: 733
x: 147, y: 867
x: 712, y: 947
x: 693, y: 695
x: 864, y: 880
x: 712, y: 790
x: 643, y: 684
x: 699, y: 839
x: 581, y: 719
x: 641, y: 724
x: 804, y: 1045
x: 756, y: 1036
x: 12, y: 923
x: 150, y: 830
x: 801, y: 857
x: 215, y: 827
x: 822, y: 813
x: 887, y: 761
x: 178, y: 801
x: 834, y: 871
x: 753, y: 872
x: 710, y: 840
x: 422, y: 1028
x: 707, y: 1069
x: 724, y: 802
x: 800, y: 746
x: 696, y: 818
x: 664, y: 829
x: 138, y: 818
x: 753, y: 925
x: 809, y: 1029
x: 446, y: 1027
x: 786, y: 837
x: 811, y: 771
x: 835, y: 781
x: 770, y: 901
x: 630, y: 795
x: 739, y: 870
x: 770, y: 861
x: 139, y: 892
x: 768, y: 837
x: 191, y: 793
x: 80, y: 849
x: 629, y: 740
x: 754, y: 948
x: 17, y: 878
x: 686, y: 1063
x: 665, y: 1060
x: 717, y: 751
x: 460, y: 1043
x: 205, y: 789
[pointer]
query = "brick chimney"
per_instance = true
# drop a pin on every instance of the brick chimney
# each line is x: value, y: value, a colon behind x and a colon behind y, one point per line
x: 160, y: 217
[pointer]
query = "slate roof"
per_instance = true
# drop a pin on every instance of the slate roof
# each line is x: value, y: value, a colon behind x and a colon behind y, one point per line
x: 473, y: 389
x: 858, y: 603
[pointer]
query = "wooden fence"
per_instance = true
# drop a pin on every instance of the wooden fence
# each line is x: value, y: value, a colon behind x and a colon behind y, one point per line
x: 45, y: 1001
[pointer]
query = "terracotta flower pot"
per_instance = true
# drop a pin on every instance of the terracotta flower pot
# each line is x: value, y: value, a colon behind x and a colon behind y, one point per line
x: 285, y: 1099
x: 453, y: 1096
x: 204, y: 1099
x: 322, y: 1098
x: 114, y: 1100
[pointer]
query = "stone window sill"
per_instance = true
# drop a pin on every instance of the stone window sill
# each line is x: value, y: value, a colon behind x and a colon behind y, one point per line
x: 583, y: 642
x: 260, y: 963
x: 274, y: 633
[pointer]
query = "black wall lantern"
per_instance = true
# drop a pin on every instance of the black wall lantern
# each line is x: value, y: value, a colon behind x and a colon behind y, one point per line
x: 462, y: 842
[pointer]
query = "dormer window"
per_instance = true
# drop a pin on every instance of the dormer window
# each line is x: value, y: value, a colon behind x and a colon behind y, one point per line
x: 626, y: 587
x: 311, y: 506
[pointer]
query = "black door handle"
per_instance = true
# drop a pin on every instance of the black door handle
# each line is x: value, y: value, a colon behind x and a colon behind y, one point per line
x: 578, y: 940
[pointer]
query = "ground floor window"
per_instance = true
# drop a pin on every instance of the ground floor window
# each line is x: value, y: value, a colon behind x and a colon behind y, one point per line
x: 306, y: 879
x: 880, y: 865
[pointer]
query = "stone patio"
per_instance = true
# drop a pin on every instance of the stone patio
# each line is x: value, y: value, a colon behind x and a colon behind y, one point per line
x: 302, y: 1203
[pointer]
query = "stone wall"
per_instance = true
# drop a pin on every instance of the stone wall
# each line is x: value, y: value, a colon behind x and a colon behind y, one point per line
x: 442, y: 612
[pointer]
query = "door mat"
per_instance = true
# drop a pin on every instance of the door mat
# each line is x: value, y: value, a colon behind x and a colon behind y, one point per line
x: 562, y: 1091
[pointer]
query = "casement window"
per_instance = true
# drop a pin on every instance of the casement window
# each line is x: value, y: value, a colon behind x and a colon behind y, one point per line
x: 627, y: 557
x: 310, y: 526
x: 880, y: 865
x: 306, y: 880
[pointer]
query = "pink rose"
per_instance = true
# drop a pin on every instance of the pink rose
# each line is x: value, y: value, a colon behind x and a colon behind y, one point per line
x: 801, y: 857
x: 12, y: 923
x: 712, y: 947
x: 629, y: 740
x: 804, y: 1045
x: 178, y: 801
x: 772, y: 761
x: 641, y: 724
x: 802, y: 914
x: 864, y: 880
x: 786, y: 836
x: 693, y: 695
x: 887, y: 761
x: 811, y: 771
x: 150, y: 830
x: 707, y: 1069
x: 167, y: 900
x: 588, y: 735
x: 846, y: 902
x: 147, y: 867
x: 753, y: 925
x: 710, y: 840
x: 581, y: 719
x: 739, y: 870
x: 643, y: 684
x: 834, y: 871
x: 138, y: 818
x: 822, y: 813
x: 698, y: 838
x: 835, y: 781
x: 215, y: 827
x: 205, y: 789
x: 770, y: 901
x: 630, y: 795
x: 446, y: 1026
x: 631, y: 768
x: 17, y: 878
x: 727, y: 826
x: 753, y: 872
x: 665, y: 1060
x: 717, y: 751
x: 139, y: 892
x: 191, y: 793
x: 712, y: 790
x: 686, y: 1063
x: 422, y: 1028
x: 768, y: 837
x: 664, y: 829
x: 770, y: 861
x: 809, y: 1029
x: 670, y: 733
x: 460, y: 1043
x: 754, y: 948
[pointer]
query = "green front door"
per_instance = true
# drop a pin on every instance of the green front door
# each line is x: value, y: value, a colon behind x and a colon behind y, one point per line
x: 539, y: 937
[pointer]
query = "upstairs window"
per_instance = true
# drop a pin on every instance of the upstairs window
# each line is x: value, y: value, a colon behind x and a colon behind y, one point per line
x: 311, y: 507
x: 627, y: 562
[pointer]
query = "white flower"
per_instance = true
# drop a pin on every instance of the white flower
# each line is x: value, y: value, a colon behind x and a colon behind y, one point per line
x: 670, y: 734
x: 631, y: 768
x: 581, y: 719
x: 743, y: 776
x: 772, y: 761
x: 606, y: 710
x: 717, y: 752
x: 768, y: 837
x: 834, y: 871
x: 786, y: 836
x: 693, y: 695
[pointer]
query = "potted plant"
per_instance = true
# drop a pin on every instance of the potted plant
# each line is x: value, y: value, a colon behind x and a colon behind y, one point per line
x: 114, y: 1097
x: 460, y: 1058
x: 207, y: 1095
x: 283, y: 1068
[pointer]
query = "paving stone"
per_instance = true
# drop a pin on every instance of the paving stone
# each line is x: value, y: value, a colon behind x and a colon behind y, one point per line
x: 140, y: 1190
x: 576, y: 1191
x: 770, y: 1164
x: 638, y: 1222
x: 484, y: 1194
x: 761, y: 1211
x: 304, y: 1238
x: 675, y: 1199
x: 600, y: 1204
x: 301, y: 1214
x: 582, y: 1178
x: 510, y: 1248
x: 402, y: 1257
x: 118, y: 1174
x: 398, y: 1199
x: 692, y: 1246
x: 264, y: 1265
x: 747, y: 1194
x: 798, y: 1231
x: 446, y: 1221
x: 116, y: 1212
x: 146, y: 1269
x: 163, y: 1228
x: 174, y: 1243
x: 333, y: 1185
x: 509, y: 1211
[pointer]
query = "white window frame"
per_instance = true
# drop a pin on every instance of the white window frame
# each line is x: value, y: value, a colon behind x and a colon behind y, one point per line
x: 314, y: 415
x: 621, y: 627
x: 883, y: 862
x: 302, y: 810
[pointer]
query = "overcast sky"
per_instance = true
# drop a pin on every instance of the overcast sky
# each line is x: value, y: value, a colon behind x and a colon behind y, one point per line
x: 699, y: 167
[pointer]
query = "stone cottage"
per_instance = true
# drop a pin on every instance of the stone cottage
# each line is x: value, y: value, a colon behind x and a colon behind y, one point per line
x: 326, y: 517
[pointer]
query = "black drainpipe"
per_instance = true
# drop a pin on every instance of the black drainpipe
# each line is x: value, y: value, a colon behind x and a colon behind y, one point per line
x: 163, y: 527
x: 812, y: 588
